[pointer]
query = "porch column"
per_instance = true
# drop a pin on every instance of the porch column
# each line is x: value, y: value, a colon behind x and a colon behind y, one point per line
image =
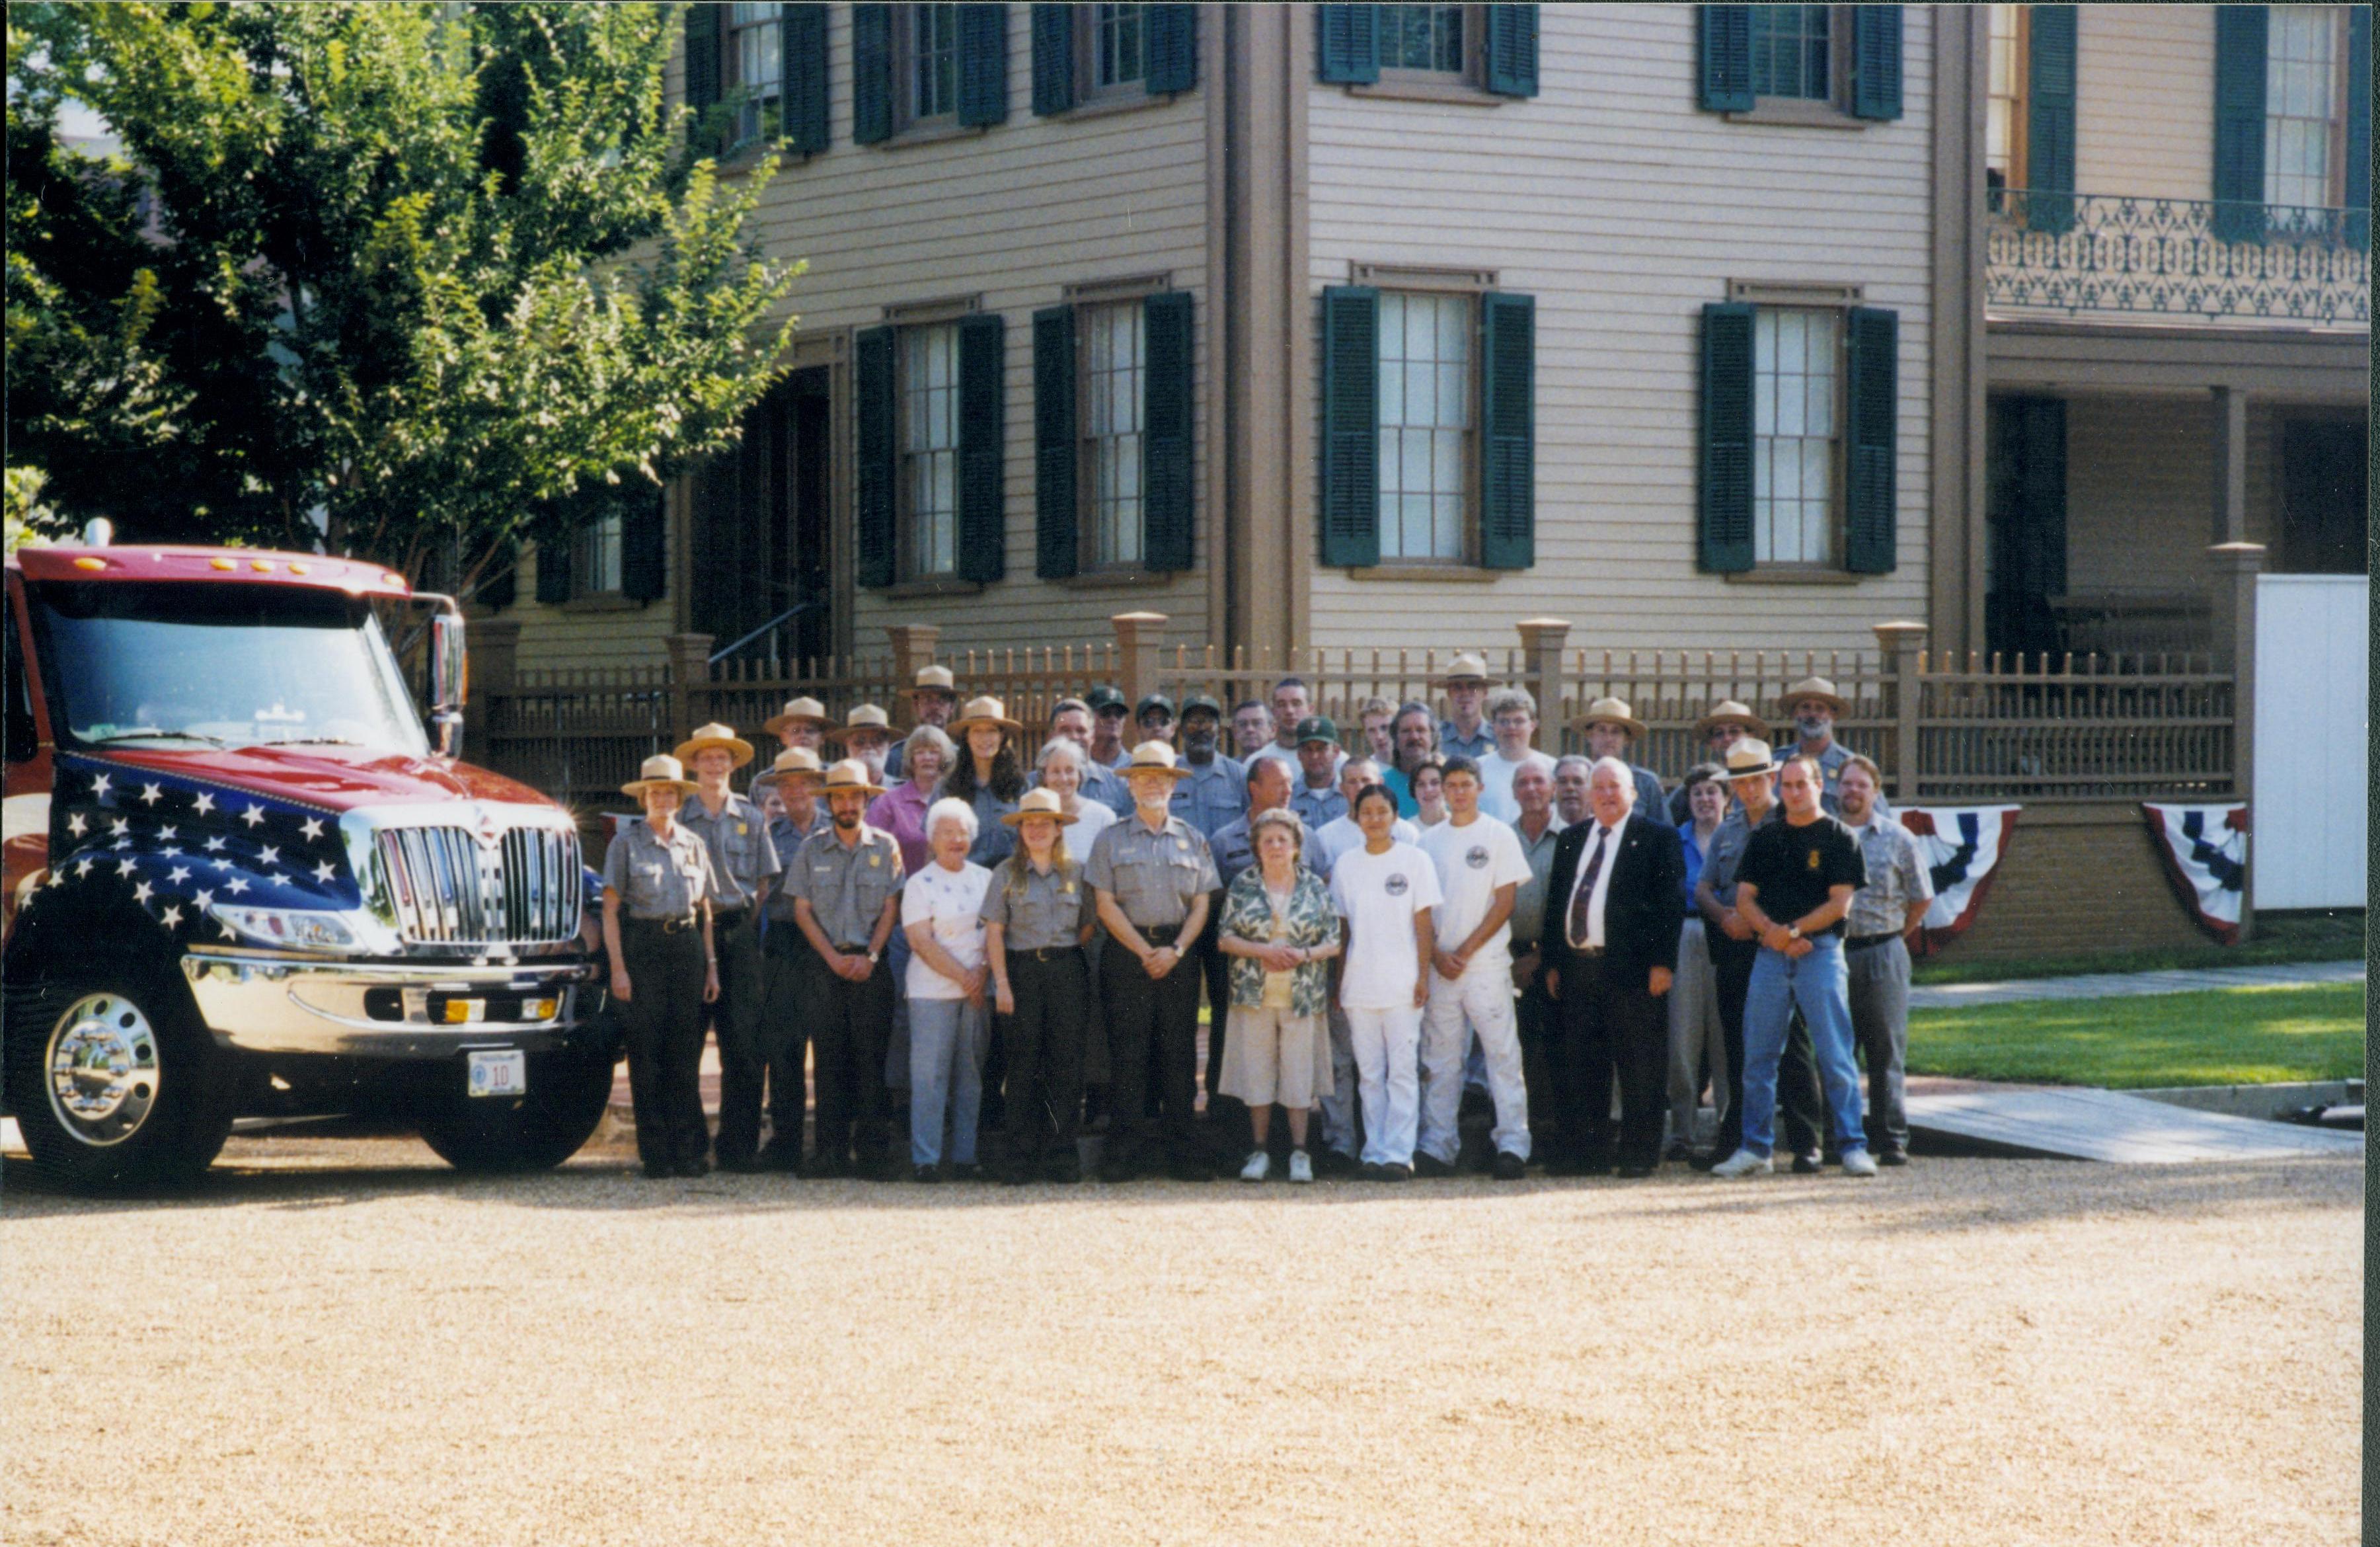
x: 2233, y: 583
x: 2230, y: 465
x: 1902, y: 646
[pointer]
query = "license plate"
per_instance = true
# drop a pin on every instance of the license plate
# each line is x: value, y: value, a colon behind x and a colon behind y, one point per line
x: 503, y: 1072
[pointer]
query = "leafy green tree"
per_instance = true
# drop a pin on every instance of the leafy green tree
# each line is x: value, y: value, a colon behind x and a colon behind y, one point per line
x: 428, y: 281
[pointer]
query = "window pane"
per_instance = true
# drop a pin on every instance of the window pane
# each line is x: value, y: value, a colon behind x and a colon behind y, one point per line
x: 929, y: 437
x: 1425, y: 408
x: 1116, y: 392
x: 1789, y: 52
x: 2300, y: 65
x: 934, y: 34
x: 1421, y: 37
x: 1118, y: 53
x: 1795, y: 354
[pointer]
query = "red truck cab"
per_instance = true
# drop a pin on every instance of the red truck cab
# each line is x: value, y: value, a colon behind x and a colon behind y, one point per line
x: 241, y: 877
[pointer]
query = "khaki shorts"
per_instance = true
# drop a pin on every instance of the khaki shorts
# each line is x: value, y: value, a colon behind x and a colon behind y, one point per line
x: 1272, y: 1056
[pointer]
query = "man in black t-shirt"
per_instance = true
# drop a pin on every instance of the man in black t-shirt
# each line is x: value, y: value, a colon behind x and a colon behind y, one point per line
x: 1793, y: 889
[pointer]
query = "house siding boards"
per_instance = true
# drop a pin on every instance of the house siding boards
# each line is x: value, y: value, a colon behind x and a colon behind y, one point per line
x: 1623, y: 209
x: 2144, y: 101
x: 608, y: 632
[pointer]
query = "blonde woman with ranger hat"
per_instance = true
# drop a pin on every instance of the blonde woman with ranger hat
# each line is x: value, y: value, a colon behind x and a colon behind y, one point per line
x: 744, y: 864
x: 657, y: 890
x: 1038, y: 915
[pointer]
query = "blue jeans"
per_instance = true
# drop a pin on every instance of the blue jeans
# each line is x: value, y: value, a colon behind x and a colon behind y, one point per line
x: 1820, y: 984
x: 947, y: 1039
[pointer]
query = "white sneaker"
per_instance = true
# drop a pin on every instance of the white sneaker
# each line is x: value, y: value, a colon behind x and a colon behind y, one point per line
x: 1744, y: 1163
x: 1858, y: 1163
x: 1301, y: 1166
x: 1259, y: 1166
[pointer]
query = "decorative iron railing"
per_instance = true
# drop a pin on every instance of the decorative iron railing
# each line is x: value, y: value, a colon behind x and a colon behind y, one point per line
x: 2184, y: 258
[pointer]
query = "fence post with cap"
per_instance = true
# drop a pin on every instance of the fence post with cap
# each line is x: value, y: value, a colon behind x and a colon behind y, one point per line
x: 2234, y: 585
x: 1541, y: 658
x: 1139, y: 635
x: 1901, y: 645
x: 913, y: 649
x: 689, y: 663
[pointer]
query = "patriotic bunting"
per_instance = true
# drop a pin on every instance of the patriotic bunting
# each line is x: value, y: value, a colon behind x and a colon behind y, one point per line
x: 1962, y: 846
x: 2205, y: 852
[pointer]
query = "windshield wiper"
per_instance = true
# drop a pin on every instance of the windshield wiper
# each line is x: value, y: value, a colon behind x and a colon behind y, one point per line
x: 313, y: 741
x: 154, y: 735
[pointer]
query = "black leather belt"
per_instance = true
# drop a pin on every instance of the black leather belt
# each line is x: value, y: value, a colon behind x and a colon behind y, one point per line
x: 1048, y: 953
x: 1160, y: 934
x: 1863, y: 941
x: 669, y: 926
x: 729, y: 917
x: 1590, y: 952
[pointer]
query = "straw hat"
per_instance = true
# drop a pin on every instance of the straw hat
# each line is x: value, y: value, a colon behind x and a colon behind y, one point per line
x: 849, y: 775
x: 1730, y: 708
x: 799, y: 711
x: 1038, y: 801
x: 983, y: 712
x: 791, y: 761
x: 1748, y: 759
x: 1616, y: 712
x: 1468, y: 667
x: 866, y: 716
x: 659, y: 771
x: 714, y: 734
x: 1152, y: 756
x: 1813, y: 687
x: 935, y: 679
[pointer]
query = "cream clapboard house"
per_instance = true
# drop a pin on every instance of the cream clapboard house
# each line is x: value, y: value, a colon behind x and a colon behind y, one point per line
x: 1365, y: 325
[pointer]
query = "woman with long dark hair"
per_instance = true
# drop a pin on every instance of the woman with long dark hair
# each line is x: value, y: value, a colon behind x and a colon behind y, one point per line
x: 988, y: 774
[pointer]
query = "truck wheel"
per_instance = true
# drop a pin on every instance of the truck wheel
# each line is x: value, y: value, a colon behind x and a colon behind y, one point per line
x: 113, y: 1079
x: 568, y: 1089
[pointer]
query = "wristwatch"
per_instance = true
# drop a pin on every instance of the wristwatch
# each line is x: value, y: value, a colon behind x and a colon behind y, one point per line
x: 1792, y: 932
x: 871, y: 958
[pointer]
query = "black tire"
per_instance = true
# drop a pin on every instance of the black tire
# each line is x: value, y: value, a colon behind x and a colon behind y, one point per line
x: 568, y: 1090
x: 121, y: 1021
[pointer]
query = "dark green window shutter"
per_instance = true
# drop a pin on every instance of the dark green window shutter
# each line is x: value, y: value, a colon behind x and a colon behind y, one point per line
x: 2359, y: 128
x: 877, y: 466
x: 1056, y: 515
x: 1512, y: 50
x: 1727, y: 437
x: 983, y: 447
x: 497, y: 589
x: 983, y: 65
x: 1507, y: 424
x: 2240, y: 37
x: 1871, y: 513
x: 1171, y: 388
x: 1172, y: 48
x: 1727, y: 58
x: 1054, y: 60
x: 1876, y: 62
x: 871, y: 74
x: 702, y: 56
x: 804, y: 67
x: 2049, y: 120
x: 1347, y: 44
x: 554, y: 571
x: 1350, y: 425
x: 644, y: 550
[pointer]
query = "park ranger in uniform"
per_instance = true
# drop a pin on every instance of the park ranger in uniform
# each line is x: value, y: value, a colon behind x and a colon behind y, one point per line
x: 657, y: 885
x: 1152, y: 876
x: 743, y: 862
x: 846, y: 889
x: 784, y: 1035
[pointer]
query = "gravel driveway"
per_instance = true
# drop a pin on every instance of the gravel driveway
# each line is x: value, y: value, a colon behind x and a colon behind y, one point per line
x: 341, y: 1341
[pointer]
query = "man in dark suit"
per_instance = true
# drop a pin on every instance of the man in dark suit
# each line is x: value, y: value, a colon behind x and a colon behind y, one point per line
x: 1611, y: 945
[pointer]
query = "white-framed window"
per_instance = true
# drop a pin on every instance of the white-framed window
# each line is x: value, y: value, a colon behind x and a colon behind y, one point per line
x: 1792, y: 52
x: 928, y: 486
x: 1428, y: 410
x: 2004, y: 121
x: 927, y: 69
x: 595, y: 559
x: 1116, y: 388
x: 755, y: 68
x: 1426, y: 38
x: 2304, y: 117
x: 1796, y: 427
x: 1118, y: 46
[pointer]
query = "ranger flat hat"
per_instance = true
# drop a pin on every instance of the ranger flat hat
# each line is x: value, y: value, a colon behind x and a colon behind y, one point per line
x: 985, y: 711
x: 798, y: 712
x: 1038, y: 801
x: 935, y: 679
x: 866, y: 716
x: 1318, y: 727
x: 1468, y: 667
x: 1616, y: 712
x: 1152, y: 756
x: 791, y: 761
x: 1813, y: 687
x: 660, y: 771
x: 849, y: 775
x: 714, y: 734
x: 1749, y: 759
x: 1729, y: 709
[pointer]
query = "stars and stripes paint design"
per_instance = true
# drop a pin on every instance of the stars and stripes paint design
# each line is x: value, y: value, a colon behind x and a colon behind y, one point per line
x: 2206, y: 853
x: 177, y: 847
x: 1963, y: 847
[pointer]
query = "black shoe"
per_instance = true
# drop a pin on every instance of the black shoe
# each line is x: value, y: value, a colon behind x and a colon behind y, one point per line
x: 1809, y: 1163
x: 659, y: 1171
x: 695, y: 1167
x: 1507, y: 1167
x: 1634, y: 1173
x: 1677, y: 1150
x: 971, y: 1172
x: 1892, y: 1154
x: 1190, y: 1171
x: 1118, y: 1172
x: 776, y: 1157
x: 926, y: 1174
x: 1431, y: 1167
x: 825, y: 1169
x: 1372, y: 1171
x: 742, y: 1166
x: 1336, y: 1163
x: 1394, y: 1172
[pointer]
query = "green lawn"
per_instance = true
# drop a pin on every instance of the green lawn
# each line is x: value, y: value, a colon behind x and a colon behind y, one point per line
x: 2329, y: 936
x: 2229, y: 1037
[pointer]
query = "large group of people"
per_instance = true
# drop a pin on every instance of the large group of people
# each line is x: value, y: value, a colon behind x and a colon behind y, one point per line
x: 1379, y: 925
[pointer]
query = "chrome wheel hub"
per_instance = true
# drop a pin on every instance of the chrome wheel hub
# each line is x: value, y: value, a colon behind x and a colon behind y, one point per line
x: 103, y: 1065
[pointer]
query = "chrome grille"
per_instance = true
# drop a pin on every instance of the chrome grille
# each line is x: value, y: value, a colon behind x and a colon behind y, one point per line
x: 448, y: 889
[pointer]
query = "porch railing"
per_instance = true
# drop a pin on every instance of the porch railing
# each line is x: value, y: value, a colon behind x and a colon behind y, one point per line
x: 2183, y: 258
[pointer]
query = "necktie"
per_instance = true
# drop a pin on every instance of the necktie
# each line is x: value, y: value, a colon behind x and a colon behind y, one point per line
x: 1585, y: 892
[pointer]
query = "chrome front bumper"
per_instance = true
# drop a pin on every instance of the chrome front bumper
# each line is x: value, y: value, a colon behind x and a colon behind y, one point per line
x: 277, y: 1005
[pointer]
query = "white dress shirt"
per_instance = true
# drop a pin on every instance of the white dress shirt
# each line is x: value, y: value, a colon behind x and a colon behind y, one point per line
x: 1607, y: 840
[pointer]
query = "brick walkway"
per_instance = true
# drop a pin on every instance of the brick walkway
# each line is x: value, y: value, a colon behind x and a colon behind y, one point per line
x: 2110, y: 985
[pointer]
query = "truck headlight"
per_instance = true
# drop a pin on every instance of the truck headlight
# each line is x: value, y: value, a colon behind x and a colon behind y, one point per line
x: 288, y: 927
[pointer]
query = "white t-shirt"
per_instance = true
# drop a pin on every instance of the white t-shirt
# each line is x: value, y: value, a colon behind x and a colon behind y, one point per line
x: 1496, y: 784
x: 1472, y: 861
x: 1092, y: 819
x: 1340, y: 834
x: 1379, y: 894
x: 953, y: 900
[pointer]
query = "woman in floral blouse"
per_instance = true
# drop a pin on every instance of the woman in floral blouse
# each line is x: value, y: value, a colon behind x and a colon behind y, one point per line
x: 1279, y: 928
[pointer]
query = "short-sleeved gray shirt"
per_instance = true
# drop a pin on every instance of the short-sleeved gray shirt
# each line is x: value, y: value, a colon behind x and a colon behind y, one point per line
x: 1155, y: 876
x: 657, y: 880
x: 848, y: 887
x: 1055, y: 906
x: 1529, y: 897
x: 741, y: 855
x: 1897, y: 876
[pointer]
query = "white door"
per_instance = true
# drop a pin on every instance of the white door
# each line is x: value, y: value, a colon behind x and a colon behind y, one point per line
x: 2312, y: 763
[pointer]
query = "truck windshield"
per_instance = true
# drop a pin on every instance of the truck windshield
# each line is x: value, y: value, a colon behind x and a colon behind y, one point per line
x: 233, y: 666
